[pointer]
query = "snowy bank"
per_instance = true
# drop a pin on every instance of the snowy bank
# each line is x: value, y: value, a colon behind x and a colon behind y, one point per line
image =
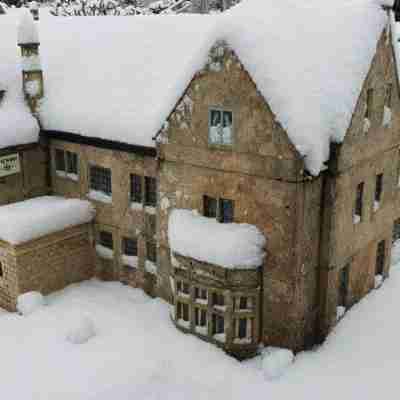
x: 27, y: 220
x: 205, y: 239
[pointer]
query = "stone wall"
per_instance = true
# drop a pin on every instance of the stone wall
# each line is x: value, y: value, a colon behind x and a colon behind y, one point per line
x: 117, y: 217
x: 46, y: 264
x: 364, y: 154
x: 264, y: 175
x: 31, y: 181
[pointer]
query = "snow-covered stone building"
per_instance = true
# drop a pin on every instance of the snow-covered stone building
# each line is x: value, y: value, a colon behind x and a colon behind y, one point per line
x: 278, y: 124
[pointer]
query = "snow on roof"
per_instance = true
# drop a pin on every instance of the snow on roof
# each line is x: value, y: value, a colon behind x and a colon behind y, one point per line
x: 204, y: 239
x: 118, y: 78
x: 31, y: 219
x: 17, y: 125
x: 27, y: 30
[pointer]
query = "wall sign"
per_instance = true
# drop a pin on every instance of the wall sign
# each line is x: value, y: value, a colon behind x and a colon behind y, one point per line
x: 9, y: 165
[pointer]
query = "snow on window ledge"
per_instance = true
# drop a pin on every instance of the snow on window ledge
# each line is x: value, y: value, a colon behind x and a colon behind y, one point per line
x: 65, y: 175
x: 340, y: 311
x: 73, y: 177
x: 377, y: 205
x: 367, y: 125
x: 150, y: 267
x: 184, y: 295
x: 136, y: 206
x: 378, y: 281
x: 220, y: 308
x: 130, y: 261
x: 247, y: 340
x: 201, y: 330
x: 220, y: 337
x: 204, y: 302
x: 183, y: 323
x: 99, y: 196
x: 150, y: 210
x: 356, y: 219
x: 104, y: 252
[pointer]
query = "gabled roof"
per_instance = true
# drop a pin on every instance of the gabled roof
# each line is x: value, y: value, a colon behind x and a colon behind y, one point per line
x: 17, y: 125
x: 118, y: 78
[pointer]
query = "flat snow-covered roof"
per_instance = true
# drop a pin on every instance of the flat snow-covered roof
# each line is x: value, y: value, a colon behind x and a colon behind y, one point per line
x: 31, y: 219
x: 233, y: 246
x: 17, y: 125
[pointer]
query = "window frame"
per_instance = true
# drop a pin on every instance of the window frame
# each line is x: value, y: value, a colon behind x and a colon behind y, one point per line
x: 134, y: 195
x: 380, y: 258
x: 221, y: 110
x: 100, y: 168
x: 359, y: 201
x: 69, y: 168
x: 378, y: 188
x: 126, y: 240
x: 369, y: 103
x: 105, y: 242
x: 148, y: 194
x: 219, y: 215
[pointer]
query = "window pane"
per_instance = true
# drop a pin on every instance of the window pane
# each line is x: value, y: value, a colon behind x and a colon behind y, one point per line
x: 130, y: 247
x: 396, y: 230
x: 185, y: 315
x: 72, y: 163
x: 60, y: 160
x: 388, y: 99
x: 243, y: 303
x: 100, y: 179
x: 227, y: 128
x: 380, y: 258
x: 136, y: 188
x: 359, y: 199
x: 378, y: 187
x: 242, y: 328
x: 210, y: 207
x: 106, y: 239
x: 226, y: 211
x: 343, y: 286
x: 150, y: 191
x: 215, y: 127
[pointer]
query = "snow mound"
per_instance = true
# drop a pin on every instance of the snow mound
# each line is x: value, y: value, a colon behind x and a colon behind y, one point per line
x: 41, y: 216
x: 82, y: 331
x: 27, y: 31
x: 275, y: 361
x: 30, y: 302
x: 205, y: 239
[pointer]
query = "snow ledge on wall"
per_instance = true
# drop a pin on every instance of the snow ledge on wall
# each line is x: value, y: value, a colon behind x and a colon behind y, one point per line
x: 233, y: 246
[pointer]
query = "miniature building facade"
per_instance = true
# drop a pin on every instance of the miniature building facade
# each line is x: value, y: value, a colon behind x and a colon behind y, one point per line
x: 223, y: 153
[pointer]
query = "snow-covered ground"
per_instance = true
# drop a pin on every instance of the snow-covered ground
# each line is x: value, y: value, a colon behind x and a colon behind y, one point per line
x: 136, y: 353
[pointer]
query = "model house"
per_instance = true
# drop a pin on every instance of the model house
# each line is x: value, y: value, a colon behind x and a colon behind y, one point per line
x: 244, y: 167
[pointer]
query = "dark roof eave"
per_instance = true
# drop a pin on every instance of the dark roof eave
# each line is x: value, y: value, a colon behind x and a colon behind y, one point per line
x: 101, y: 143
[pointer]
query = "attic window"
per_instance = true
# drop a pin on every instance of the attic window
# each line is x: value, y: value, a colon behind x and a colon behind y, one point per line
x: 220, y: 127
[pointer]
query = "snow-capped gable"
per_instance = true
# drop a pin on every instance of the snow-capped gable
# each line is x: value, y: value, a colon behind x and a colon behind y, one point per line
x: 17, y: 125
x: 119, y: 78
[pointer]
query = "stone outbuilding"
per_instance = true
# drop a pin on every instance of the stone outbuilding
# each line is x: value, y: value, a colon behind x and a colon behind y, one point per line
x: 45, y: 245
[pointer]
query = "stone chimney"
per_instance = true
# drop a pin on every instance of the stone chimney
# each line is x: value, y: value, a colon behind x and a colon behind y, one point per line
x: 32, y: 76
